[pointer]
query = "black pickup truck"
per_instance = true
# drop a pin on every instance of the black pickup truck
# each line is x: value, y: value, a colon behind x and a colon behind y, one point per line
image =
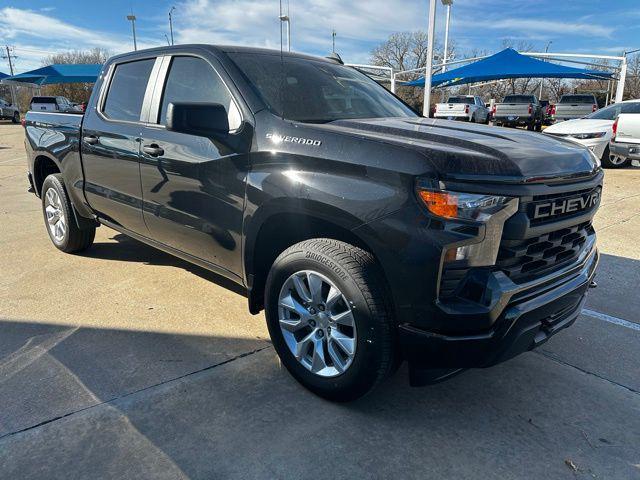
x: 368, y: 234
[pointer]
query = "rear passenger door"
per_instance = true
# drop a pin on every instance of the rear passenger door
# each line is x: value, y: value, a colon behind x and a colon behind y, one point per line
x: 193, y: 187
x: 111, y: 144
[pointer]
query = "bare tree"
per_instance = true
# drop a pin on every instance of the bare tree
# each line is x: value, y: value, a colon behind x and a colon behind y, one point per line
x: 632, y: 85
x: 406, y: 51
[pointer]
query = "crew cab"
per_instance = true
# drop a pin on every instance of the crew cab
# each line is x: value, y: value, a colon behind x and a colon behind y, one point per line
x: 625, y: 142
x: 574, y: 106
x: 463, y: 107
x: 368, y: 234
x: 519, y: 110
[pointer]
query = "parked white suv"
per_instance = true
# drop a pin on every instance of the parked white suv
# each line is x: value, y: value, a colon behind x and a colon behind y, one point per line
x: 9, y: 112
x: 463, y: 107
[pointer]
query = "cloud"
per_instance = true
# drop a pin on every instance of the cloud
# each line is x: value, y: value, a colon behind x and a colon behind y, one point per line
x: 359, y: 25
x: 35, y: 35
x: 525, y: 27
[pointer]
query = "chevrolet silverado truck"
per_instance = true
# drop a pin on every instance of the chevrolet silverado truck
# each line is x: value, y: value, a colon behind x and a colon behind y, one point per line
x: 519, y: 110
x: 368, y: 234
x: 463, y: 107
x: 574, y: 106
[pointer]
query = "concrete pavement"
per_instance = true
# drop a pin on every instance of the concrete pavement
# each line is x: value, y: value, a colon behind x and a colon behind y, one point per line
x: 125, y: 362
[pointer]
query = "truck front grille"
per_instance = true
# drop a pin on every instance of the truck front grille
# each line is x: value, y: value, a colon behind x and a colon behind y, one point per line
x: 522, y: 259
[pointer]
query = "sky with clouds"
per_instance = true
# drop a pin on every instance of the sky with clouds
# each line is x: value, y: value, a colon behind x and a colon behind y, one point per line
x: 38, y: 28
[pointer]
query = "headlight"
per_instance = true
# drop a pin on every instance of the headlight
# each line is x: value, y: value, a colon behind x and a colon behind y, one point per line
x: 585, y: 136
x: 465, y: 206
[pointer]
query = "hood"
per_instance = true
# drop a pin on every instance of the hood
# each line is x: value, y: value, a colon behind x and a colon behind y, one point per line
x: 462, y: 151
x: 580, y: 125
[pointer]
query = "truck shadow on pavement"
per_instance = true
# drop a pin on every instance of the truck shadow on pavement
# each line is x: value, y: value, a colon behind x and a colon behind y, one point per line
x: 127, y: 249
x: 101, y: 403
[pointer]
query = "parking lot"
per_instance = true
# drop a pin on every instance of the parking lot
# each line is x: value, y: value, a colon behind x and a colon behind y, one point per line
x: 125, y: 362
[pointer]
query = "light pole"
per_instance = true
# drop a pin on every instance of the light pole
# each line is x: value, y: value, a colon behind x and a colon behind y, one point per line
x: 171, y: 23
x: 429, y: 66
x: 285, y: 18
x: 132, y: 19
x: 448, y: 4
x: 542, y: 79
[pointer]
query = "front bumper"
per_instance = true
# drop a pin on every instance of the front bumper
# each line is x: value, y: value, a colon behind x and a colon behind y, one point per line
x: 626, y: 150
x: 528, y: 315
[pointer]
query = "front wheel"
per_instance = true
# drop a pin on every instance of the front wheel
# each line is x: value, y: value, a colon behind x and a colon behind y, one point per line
x: 329, y: 318
x: 59, y: 218
x: 613, y: 161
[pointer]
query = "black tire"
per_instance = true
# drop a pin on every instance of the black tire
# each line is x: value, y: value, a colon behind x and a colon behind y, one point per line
x: 15, y: 118
x: 531, y: 126
x: 74, y: 239
x: 473, y: 118
x: 607, y: 163
x: 355, y: 273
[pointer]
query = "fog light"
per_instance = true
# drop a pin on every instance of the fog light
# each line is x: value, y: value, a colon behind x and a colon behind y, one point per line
x: 458, y: 253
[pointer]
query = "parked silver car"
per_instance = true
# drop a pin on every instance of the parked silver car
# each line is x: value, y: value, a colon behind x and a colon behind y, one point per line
x: 9, y: 112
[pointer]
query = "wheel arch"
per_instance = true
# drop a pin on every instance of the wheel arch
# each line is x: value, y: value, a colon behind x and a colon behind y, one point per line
x: 277, y: 226
x: 43, y: 165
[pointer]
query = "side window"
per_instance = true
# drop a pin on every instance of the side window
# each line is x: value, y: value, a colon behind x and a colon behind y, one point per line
x: 126, y: 91
x: 191, y: 79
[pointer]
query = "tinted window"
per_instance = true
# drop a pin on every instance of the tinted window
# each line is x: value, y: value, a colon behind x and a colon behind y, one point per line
x: 43, y: 100
x: 612, y: 111
x: 519, y: 99
x: 460, y: 100
x: 192, y: 79
x: 317, y: 91
x: 578, y: 99
x: 126, y: 92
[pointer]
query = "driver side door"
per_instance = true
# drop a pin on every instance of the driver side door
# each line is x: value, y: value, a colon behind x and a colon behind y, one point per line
x: 192, y: 186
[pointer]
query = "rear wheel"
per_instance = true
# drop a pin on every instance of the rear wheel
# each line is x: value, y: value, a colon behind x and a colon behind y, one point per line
x: 59, y: 218
x: 613, y: 161
x: 328, y: 317
x: 16, y: 118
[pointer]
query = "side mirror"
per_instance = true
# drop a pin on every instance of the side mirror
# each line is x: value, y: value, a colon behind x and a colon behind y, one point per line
x: 203, y: 119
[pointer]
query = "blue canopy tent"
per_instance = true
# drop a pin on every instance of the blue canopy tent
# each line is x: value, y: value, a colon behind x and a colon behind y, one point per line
x: 508, y: 64
x: 55, y: 74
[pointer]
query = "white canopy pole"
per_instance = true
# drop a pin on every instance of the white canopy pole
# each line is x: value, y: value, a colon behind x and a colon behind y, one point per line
x: 621, y: 80
x: 428, y: 68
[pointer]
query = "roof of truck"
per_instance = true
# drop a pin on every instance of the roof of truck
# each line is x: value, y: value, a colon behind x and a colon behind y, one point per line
x: 222, y: 49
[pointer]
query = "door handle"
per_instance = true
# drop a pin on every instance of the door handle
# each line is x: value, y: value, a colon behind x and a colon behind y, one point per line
x: 153, y: 150
x: 91, y: 139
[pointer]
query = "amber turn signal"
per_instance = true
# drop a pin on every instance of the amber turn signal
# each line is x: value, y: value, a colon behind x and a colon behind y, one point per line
x: 442, y: 204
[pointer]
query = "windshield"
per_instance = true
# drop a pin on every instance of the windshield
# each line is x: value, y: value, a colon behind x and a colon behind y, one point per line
x: 460, y: 100
x: 518, y: 99
x: 578, y: 99
x: 612, y: 111
x: 316, y: 91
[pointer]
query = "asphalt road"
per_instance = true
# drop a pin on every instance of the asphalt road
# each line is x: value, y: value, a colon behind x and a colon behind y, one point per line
x: 125, y: 362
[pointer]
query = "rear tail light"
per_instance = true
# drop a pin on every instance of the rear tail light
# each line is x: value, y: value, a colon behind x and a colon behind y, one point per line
x: 595, y: 107
x: 493, y: 110
x: 530, y: 108
x: 553, y: 109
x: 614, y: 129
x: 466, y: 109
x: 23, y: 122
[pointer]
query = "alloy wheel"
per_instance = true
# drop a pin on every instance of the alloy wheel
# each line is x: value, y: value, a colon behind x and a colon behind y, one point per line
x: 317, y: 323
x: 55, y: 215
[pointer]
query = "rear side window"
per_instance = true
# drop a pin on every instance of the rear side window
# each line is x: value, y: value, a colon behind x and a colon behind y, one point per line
x: 126, y: 91
x: 518, y: 99
x: 578, y: 99
x: 460, y: 100
x: 43, y: 100
x: 192, y: 79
